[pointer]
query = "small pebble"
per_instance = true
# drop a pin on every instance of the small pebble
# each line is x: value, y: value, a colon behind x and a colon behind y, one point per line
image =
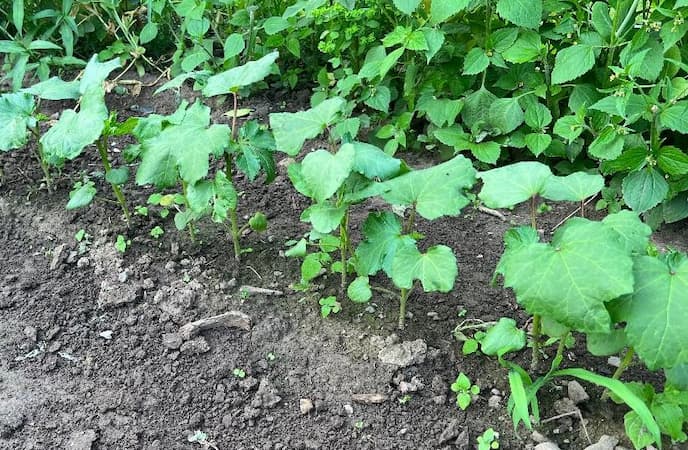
x: 305, y: 406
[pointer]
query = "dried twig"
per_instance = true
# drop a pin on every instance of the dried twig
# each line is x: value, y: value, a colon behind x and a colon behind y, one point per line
x: 492, y: 212
x: 230, y: 319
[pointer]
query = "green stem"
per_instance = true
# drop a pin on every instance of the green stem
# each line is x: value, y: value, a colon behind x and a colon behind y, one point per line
x: 236, y: 233
x: 655, y: 126
x: 101, y: 144
x: 402, y: 308
x: 343, y: 246
x: 537, y: 330
x: 560, y: 351
x: 629, y: 15
x: 533, y: 219
x: 192, y: 232
x: 623, y: 365
x: 41, y: 158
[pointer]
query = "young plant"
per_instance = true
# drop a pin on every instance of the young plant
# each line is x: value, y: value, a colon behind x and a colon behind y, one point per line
x: 239, y: 373
x: 122, y: 243
x: 464, y: 390
x: 329, y: 305
x: 488, y: 440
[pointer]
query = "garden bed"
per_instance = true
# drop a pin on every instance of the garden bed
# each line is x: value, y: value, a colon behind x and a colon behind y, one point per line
x: 90, y: 352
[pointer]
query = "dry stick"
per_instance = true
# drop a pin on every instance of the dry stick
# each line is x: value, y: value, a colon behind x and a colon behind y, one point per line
x: 575, y: 412
x: 587, y: 202
x: 492, y: 212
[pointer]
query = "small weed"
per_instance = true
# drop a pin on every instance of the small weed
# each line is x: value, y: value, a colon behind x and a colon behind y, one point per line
x: 156, y: 232
x: 329, y: 305
x: 271, y: 357
x: 464, y: 390
x: 488, y: 440
x: 405, y: 399
x: 239, y: 373
x: 201, y: 438
x: 141, y: 211
x: 84, y: 240
x: 122, y: 243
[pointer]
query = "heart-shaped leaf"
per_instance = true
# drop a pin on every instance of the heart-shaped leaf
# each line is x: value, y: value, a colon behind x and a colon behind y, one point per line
x: 16, y: 115
x: 510, y: 185
x: 436, y: 269
x: 237, y: 77
x: 573, y: 188
x: 324, y: 172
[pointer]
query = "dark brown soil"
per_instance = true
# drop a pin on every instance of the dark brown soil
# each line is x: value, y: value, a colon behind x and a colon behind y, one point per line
x: 79, y: 373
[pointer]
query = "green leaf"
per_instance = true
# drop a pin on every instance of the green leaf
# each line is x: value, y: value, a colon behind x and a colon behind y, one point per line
x: 644, y: 189
x: 407, y: 6
x: 505, y: 115
x: 148, y: 33
x: 669, y: 417
x: 164, y: 160
x: 537, y: 116
x: 255, y: 146
x: 633, y: 232
x: 373, y: 163
x: 325, y: 217
x: 324, y: 173
x: 477, y: 106
x: 383, y: 237
x: 117, y: 176
x: 527, y: 48
x: 95, y: 73
x: 518, y: 402
x: 234, y: 79
x: 441, y: 10
x: 359, y: 290
x: 621, y: 390
x: 569, y: 127
x: 311, y: 267
x: 572, y: 62
x: 82, y: 195
x: 502, y: 338
x: 436, y: 191
x: 672, y: 161
x: 476, y: 61
x: 538, y: 142
x: 274, y: 25
x: 379, y: 99
x: 225, y: 197
x: 487, y: 152
x: 573, y: 188
x: 675, y: 117
x: 655, y: 312
x: 436, y: 269
x: 55, y: 89
x: 607, y: 145
x: 570, y: 279
x: 441, y: 112
x: 234, y: 45
x: 75, y: 130
x: 606, y: 344
x: 510, y: 185
x: 298, y: 250
x: 16, y: 115
x: 292, y: 129
x: 524, y: 13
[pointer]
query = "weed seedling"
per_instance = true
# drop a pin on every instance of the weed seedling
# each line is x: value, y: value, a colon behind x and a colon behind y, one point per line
x: 405, y: 399
x: 488, y: 440
x: 239, y: 373
x: 464, y: 390
x: 84, y: 240
x: 201, y: 439
x: 157, y: 232
x: 271, y: 357
x: 122, y: 243
x: 329, y: 305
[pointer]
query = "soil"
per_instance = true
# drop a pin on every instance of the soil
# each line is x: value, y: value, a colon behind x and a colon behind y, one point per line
x: 90, y: 356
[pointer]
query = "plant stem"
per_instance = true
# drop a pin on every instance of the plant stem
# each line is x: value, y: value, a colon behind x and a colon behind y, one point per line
x: 537, y: 329
x: 655, y: 126
x: 343, y: 246
x: 582, y: 208
x: 560, y: 351
x: 623, y: 365
x: 411, y: 222
x: 41, y: 158
x: 101, y: 144
x: 236, y: 233
x: 192, y: 232
x: 402, y: 308
x: 533, y: 219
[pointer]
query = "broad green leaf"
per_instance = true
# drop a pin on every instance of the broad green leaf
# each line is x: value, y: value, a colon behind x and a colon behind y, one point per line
x: 677, y: 377
x: 636, y: 431
x: 164, y: 160
x: 441, y: 112
x: 373, y: 163
x: 655, y: 312
x: 379, y: 98
x: 274, y: 25
x: 572, y: 62
x: 675, y: 117
x: 476, y: 61
x: 572, y: 278
x: 644, y: 57
x: 477, y: 106
x: 527, y: 48
x: 234, y: 79
x: 505, y: 115
x: 324, y: 172
x: 569, y: 127
x: 601, y: 20
x: 383, y: 237
x: 441, y: 10
x: 234, y: 45
x: 95, y: 73
x: 436, y: 269
x: 225, y: 197
x: 75, y: 130
x: 669, y: 417
x: 672, y: 160
x: 148, y: 33
x: 359, y: 290
x: 644, y: 189
x: 55, y: 89
x: 16, y: 115
x: 435, y: 192
x: 538, y: 142
x: 298, y: 250
x: 634, y: 233
x: 503, y: 338
x: 407, y: 6
x: 524, y: 13
x: 510, y: 185
x: 292, y: 129
x: 117, y: 176
x: 435, y: 39
x: 325, y: 217
x: 573, y: 188
x: 255, y: 146
x: 487, y: 152
x: 606, y: 344
x: 537, y: 116
x: 607, y: 145
x: 82, y: 195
